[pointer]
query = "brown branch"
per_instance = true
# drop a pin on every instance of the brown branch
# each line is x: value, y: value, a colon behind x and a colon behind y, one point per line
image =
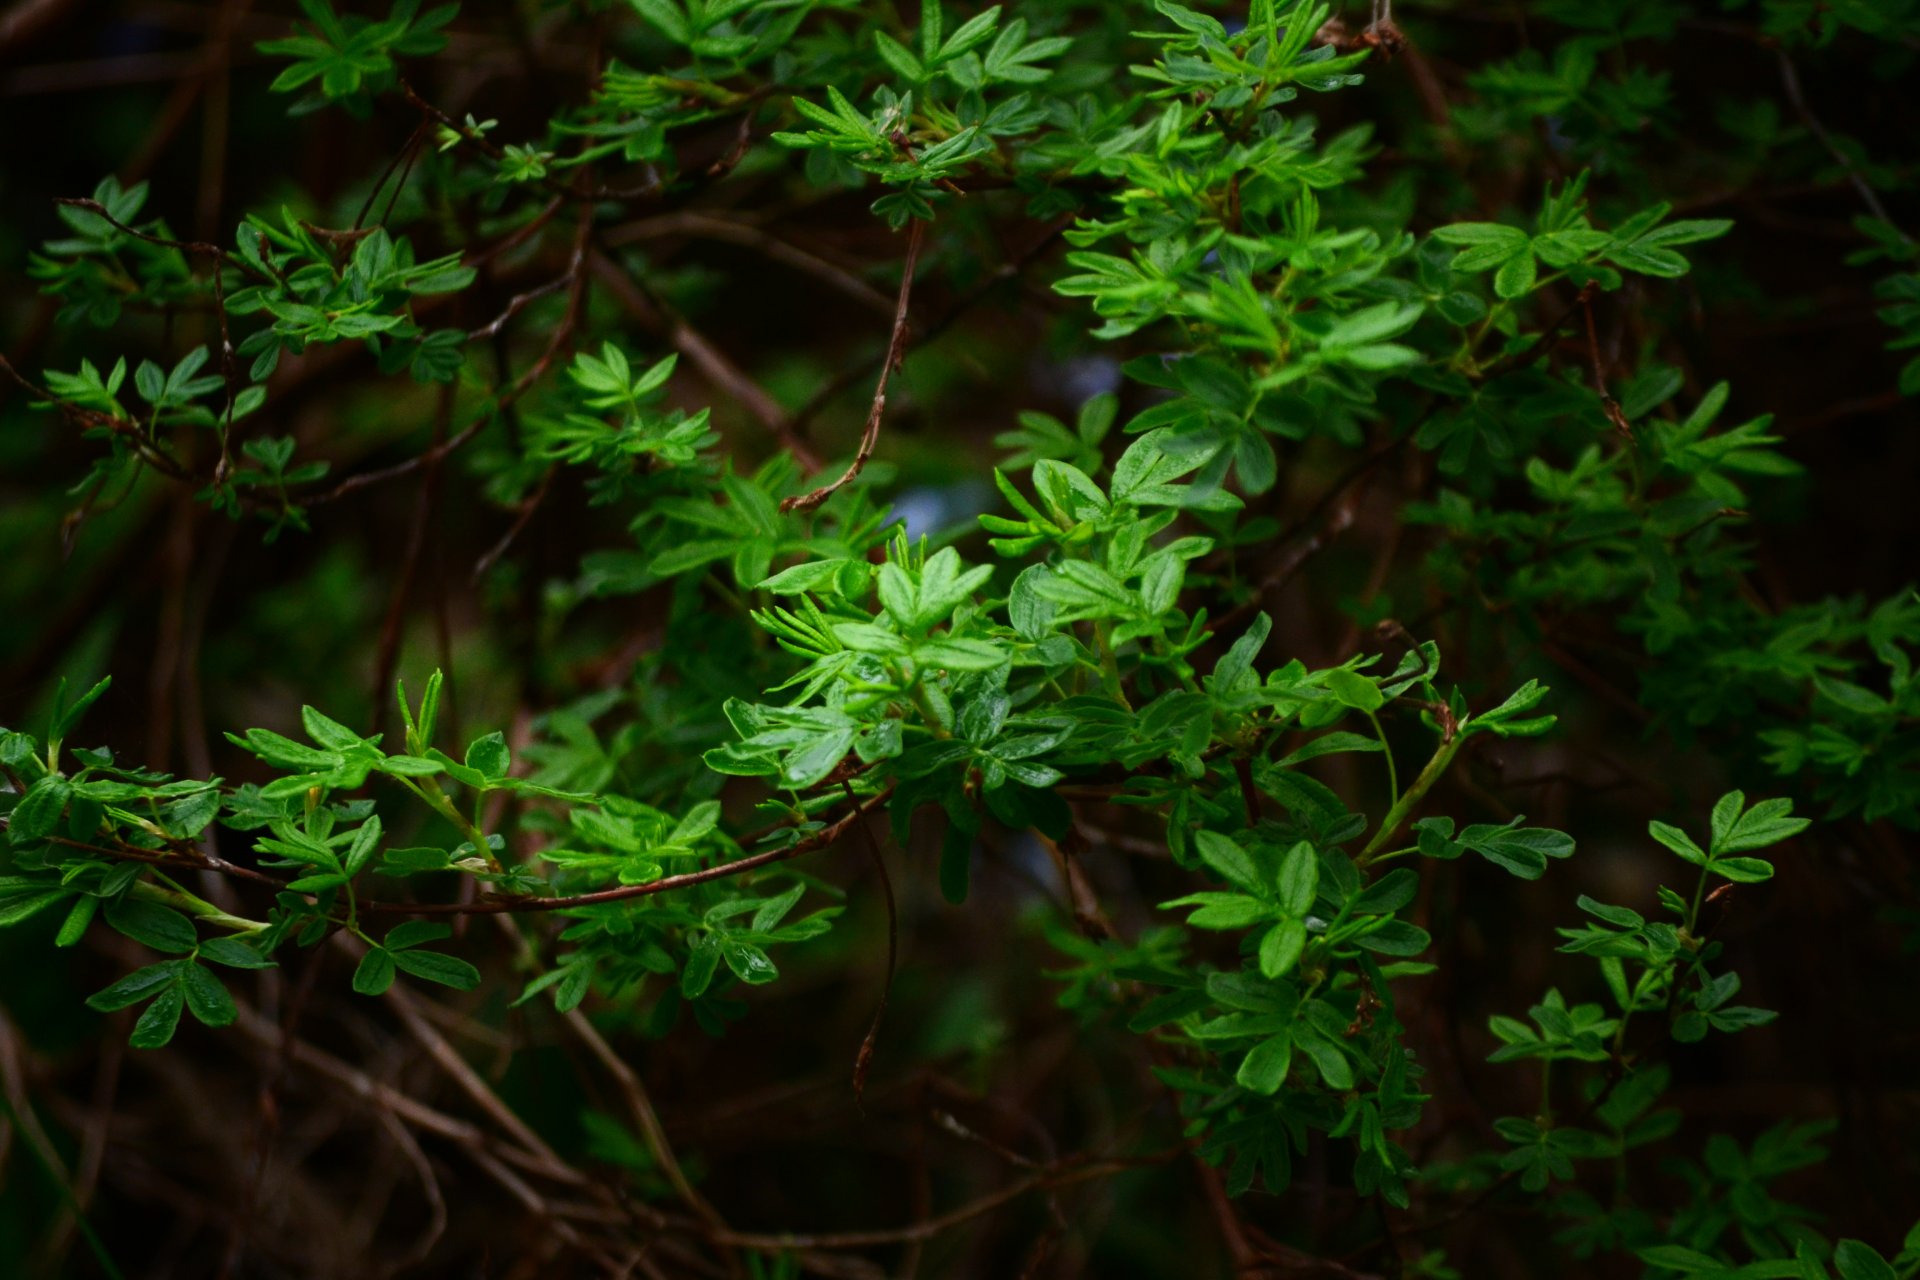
x: 1608, y: 404
x: 1063, y: 1174
x: 940, y: 324
x: 863, y: 1060
x: 495, y: 906
x: 1790, y: 80
x: 896, y: 349
x: 692, y: 223
x: 515, y: 304
x: 522, y: 518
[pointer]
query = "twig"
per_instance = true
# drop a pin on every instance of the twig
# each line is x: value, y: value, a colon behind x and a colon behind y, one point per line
x: 429, y: 1187
x: 1008, y: 270
x: 1790, y: 80
x: 495, y: 906
x: 690, y: 222
x: 414, y: 139
x: 863, y: 1060
x: 515, y: 305
x: 896, y: 348
x: 522, y: 518
x: 1608, y: 404
x: 1065, y: 1173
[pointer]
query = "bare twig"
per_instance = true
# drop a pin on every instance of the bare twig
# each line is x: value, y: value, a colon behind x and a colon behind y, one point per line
x: 689, y: 222
x: 896, y: 348
x: 863, y: 1060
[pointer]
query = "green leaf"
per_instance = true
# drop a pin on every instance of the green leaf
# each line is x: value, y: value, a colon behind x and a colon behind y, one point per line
x: 66, y: 716
x: 703, y: 961
x: 207, y: 998
x: 774, y: 910
x: 1355, y: 691
x: 158, y: 1020
x: 1299, y: 879
x: 1678, y: 841
x: 1523, y: 851
x: 1264, y: 1069
x: 807, y: 765
x: 1856, y: 1260
x: 1767, y: 823
x: 1281, y: 947
x: 38, y: 814
x: 413, y: 933
x: 1230, y: 860
x: 433, y: 966
x: 1516, y: 276
x: 74, y: 927
x: 961, y: 655
x: 233, y: 953
x: 139, y: 985
x: 366, y: 841
x: 151, y: 924
x: 329, y: 733
x: 374, y: 974
x: 489, y: 756
x: 1679, y: 1258
x: 1742, y: 870
x: 1332, y: 1064
x: 22, y: 898
x: 1389, y: 893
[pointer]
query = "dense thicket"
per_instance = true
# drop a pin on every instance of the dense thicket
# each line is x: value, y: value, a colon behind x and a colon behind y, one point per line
x: 759, y: 637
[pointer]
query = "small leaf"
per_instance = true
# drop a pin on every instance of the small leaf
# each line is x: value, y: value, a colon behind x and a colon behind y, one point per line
x: 151, y: 924
x: 158, y: 1020
x: 1299, y: 879
x: 1280, y: 949
x: 207, y: 998
x: 489, y: 756
x: 135, y: 987
x: 1355, y: 691
x: 448, y: 971
x: 375, y: 972
x: 1678, y: 841
x: 1229, y: 859
x: 233, y: 953
x: 1264, y: 1069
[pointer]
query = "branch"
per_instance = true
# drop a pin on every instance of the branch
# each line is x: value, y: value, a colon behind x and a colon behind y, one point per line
x: 1065, y: 1173
x: 896, y: 348
x: 496, y: 906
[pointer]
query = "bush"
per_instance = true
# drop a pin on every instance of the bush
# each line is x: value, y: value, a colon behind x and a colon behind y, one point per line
x: 847, y: 856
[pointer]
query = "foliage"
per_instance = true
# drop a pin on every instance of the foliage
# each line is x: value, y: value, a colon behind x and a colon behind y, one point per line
x: 1105, y: 664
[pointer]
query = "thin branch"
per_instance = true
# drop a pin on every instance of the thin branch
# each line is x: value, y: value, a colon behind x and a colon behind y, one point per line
x: 496, y: 906
x: 863, y: 1060
x: 1790, y: 80
x: 522, y: 518
x: 1065, y: 1173
x: 896, y: 349
x: 690, y: 222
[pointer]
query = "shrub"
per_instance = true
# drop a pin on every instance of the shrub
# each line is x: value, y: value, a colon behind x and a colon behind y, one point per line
x: 1131, y: 838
